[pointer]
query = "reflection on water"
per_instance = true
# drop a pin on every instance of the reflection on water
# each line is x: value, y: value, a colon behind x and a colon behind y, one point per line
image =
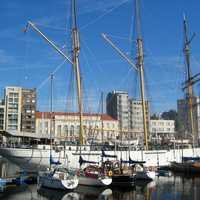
x: 6, y: 168
x: 164, y: 188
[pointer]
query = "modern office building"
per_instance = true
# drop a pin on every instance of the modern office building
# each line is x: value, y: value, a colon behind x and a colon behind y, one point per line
x: 117, y: 106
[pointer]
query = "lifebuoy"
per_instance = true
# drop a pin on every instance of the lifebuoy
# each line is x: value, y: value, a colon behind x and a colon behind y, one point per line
x: 110, y: 173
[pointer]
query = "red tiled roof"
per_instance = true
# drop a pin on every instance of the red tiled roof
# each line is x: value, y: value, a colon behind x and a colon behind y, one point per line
x: 47, y: 115
x: 107, y: 117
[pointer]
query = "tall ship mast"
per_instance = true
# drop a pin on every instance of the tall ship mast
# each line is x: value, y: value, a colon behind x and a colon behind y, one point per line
x: 75, y: 59
x: 189, y: 79
x: 140, y: 66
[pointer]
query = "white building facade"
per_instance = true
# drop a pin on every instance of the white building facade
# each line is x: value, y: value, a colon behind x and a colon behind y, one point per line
x: 162, y: 129
x: 65, y: 126
x: 117, y: 106
x: 136, y: 117
x: 13, y: 108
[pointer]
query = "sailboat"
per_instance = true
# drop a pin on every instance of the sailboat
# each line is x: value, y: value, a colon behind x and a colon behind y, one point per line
x: 57, y: 176
x: 93, y: 175
x: 121, y: 177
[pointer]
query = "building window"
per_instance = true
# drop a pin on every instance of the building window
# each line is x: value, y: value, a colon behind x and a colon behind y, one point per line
x: 59, y: 131
x: 72, y: 130
x: 46, y: 127
x: 65, y: 130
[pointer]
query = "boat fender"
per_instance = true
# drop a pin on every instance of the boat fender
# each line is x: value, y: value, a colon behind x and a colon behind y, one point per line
x: 108, y: 165
x: 78, y: 172
x: 151, y: 169
x: 110, y: 173
x: 116, y: 165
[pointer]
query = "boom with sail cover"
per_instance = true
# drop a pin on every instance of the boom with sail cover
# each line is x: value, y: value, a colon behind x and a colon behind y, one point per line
x: 107, y: 155
x: 82, y: 161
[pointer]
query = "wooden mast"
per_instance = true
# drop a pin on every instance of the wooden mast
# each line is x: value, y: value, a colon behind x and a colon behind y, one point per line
x: 189, y: 94
x: 75, y: 62
x: 76, y: 50
x: 102, y: 131
x: 140, y: 65
x: 51, y: 119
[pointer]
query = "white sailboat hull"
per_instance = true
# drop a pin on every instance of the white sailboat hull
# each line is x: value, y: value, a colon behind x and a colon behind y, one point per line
x: 55, y: 184
x: 145, y: 175
x: 96, y: 182
x: 45, y: 180
x: 37, y: 159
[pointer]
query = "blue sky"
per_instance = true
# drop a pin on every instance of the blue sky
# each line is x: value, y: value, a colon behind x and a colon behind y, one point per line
x: 26, y: 60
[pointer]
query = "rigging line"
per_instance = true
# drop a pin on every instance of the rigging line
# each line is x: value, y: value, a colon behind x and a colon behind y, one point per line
x: 71, y: 101
x: 119, y: 37
x: 125, y: 77
x: 96, y: 126
x: 51, y: 27
x: 133, y: 83
x: 159, y: 64
x: 88, y: 64
x: 195, y: 60
x: 133, y: 42
x: 46, y: 80
x: 148, y: 97
x: 93, y: 55
x: 131, y: 39
x: 104, y: 14
x: 131, y: 34
x: 68, y: 18
x: 109, y: 61
x: 27, y: 46
x: 136, y: 85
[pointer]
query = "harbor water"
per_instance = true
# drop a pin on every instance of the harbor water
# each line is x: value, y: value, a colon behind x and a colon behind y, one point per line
x: 176, y: 187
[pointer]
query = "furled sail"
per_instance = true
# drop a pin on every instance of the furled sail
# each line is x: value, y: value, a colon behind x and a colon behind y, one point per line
x: 107, y: 155
x: 82, y: 161
x: 130, y: 161
x: 54, y: 162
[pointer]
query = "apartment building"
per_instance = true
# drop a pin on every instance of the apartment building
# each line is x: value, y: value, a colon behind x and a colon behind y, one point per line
x: 2, y: 115
x: 20, y: 107
x: 13, y: 108
x: 136, y: 117
x: 117, y: 106
x: 28, y: 108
